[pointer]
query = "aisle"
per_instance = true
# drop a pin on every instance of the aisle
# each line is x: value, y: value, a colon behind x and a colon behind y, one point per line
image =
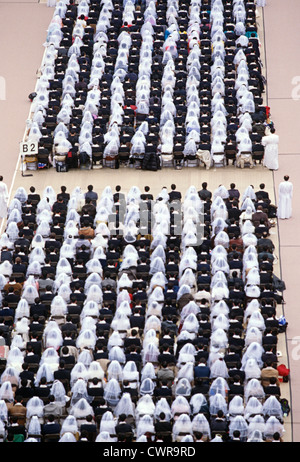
x: 21, y: 50
x: 283, y: 73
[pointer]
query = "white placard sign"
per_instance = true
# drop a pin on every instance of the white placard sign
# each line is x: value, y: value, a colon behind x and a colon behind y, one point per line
x: 29, y: 148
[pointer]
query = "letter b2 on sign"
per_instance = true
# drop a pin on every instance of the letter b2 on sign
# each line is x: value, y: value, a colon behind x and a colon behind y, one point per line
x: 29, y: 148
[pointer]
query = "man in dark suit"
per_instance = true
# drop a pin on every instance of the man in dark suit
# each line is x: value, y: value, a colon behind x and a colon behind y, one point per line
x: 22, y: 241
x: 69, y: 325
x: 273, y: 388
x: 173, y: 194
x: 35, y: 325
x: 236, y: 387
x: 26, y: 374
x: 62, y: 373
x: 126, y: 388
x: 219, y: 422
x: 38, y: 308
x: 48, y: 295
x: 90, y: 427
x: 137, y: 320
x: 33, y: 196
x: 146, y: 196
x: 163, y: 391
x: 6, y: 255
x: 42, y: 390
x: 132, y: 339
x: 18, y: 266
x: 122, y: 426
x: 166, y: 356
x: 95, y: 388
x: 14, y: 428
x: 30, y: 356
x: 25, y: 391
x: 134, y: 354
x: 12, y: 297
x: 91, y: 194
x: 233, y: 192
x: 163, y: 426
x: 51, y: 427
x: 204, y: 193
x: 201, y: 369
x: 261, y: 192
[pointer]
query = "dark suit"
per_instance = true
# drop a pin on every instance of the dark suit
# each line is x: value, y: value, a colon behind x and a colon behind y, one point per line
x: 123, y: 427
x: 50, y: 428
x: 201, y: 371
x: 162, y: 391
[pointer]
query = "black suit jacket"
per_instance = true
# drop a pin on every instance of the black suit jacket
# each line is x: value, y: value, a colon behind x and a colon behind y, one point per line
x: 123, y: 428
x: 50, y: 428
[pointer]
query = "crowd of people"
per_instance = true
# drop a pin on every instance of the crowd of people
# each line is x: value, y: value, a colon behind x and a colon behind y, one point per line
x: 151, y: 84
x: 136, y: 318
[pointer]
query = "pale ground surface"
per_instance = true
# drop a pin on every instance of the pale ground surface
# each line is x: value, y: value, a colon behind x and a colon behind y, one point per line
x: 22, y: 57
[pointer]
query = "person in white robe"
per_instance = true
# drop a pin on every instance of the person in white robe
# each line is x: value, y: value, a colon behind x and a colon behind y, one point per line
x: 284, y: 210
x: 3, y: 198
x: 270, y: 142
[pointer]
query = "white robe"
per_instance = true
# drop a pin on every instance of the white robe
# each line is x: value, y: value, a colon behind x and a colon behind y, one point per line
x: 285, y: 200
x: 261, y: 3
x: 3, y: 200
x: 270, y: 159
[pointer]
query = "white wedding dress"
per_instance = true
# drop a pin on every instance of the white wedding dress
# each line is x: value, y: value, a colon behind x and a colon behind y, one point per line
x: 270, y: 160
x: 3, y: 200
x: 285, y: 200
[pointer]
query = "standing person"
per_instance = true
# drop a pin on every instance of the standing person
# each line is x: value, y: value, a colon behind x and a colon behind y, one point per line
x: 3, y: 198
x: 270, y: 142
x: 91, y: 194
x: 284, y: 210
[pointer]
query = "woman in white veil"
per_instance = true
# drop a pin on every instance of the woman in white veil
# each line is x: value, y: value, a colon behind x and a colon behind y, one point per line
x: 6, y: 392
x: 272, y: 408
x: 219, y: 369
x: 254, y: 388
x: 22, y: 310
x: 253, y: 334
x: 180, y: 405
x: 112, y: 392
x: 253, y: 407
x: 255, y: 351
x: 145, y: 425
x: 53, y: 337
x: 70, y: 425
x: 217, y: 403
x: 256, y: 320
x: 273, y: 425
x: 251, y: 369
x: 59, y: 392
x: 125, y: 406
x: 81, y: 409
x: 239, y: 423
x: 256, y: 423
x: 114, y: 371
x: 35, y: 407
x: 148, y: 371
x: 256, y: 437
x: 182, y: 426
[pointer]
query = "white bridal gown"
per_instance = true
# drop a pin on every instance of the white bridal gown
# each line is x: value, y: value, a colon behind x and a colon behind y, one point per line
x: 270, y: 142
x: 285, y: 200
